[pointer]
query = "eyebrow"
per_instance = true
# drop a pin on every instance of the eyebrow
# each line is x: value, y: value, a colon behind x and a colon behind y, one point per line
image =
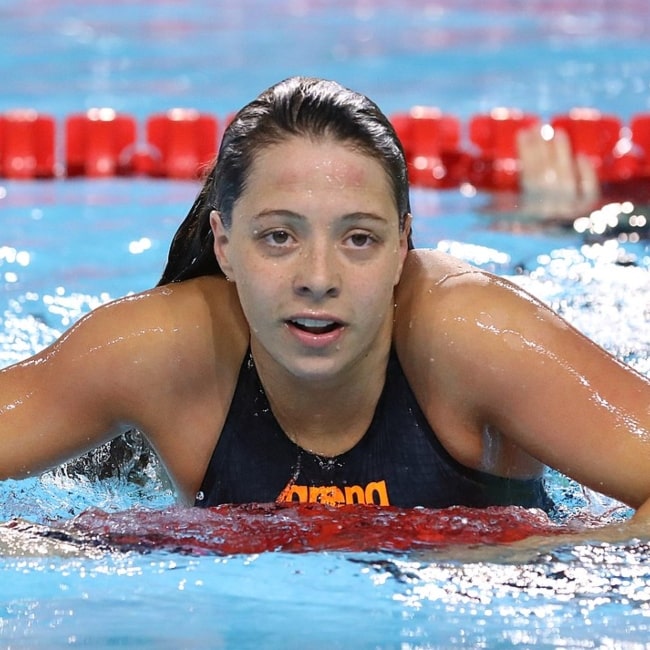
x: 290, y: 214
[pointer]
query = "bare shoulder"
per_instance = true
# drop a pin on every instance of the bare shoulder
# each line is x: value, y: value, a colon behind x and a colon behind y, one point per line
x: 430, y: 276
x: 154, y: 346
x: 435, y: 286
x: 176, y: 330
x: 468, y: 318
x: 193, y: 313
x: 429, y: 265
x: 460, y: 333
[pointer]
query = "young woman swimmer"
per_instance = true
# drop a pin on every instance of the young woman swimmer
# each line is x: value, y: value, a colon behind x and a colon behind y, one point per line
x: 298, y: 349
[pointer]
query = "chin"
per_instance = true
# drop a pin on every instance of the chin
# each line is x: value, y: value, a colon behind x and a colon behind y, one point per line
x: 316, y: 368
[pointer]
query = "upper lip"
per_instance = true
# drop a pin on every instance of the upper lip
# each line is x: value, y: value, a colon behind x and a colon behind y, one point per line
x: 315, y: 320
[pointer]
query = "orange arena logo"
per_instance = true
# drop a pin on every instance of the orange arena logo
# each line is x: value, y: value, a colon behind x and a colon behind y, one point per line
x: 374, y: 493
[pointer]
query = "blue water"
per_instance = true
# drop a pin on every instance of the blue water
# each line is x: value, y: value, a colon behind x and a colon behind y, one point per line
x: 462, y: 55
x: 565, y: 599
x: 67, y: 245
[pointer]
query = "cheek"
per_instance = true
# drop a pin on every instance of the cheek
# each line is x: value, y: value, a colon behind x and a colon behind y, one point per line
x: 253, y: 307
x: 377, y: 297
x: 257, y: 292
x: 250, y: 293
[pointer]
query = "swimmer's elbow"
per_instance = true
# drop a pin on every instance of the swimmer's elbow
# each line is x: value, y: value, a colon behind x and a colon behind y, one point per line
x: 17, y: 471
x: 642, y: 514
x: 7, y: 475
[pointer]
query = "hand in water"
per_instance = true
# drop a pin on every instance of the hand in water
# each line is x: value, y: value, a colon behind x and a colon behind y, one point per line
x: 554, y: 183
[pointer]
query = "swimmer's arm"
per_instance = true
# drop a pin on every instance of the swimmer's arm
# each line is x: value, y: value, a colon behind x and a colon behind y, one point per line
x: 122, y: 365
x: 504, y: 360
x: 563, y: 399
x: 571, y: 405
x: 165, y: 362
x: 70, y: 397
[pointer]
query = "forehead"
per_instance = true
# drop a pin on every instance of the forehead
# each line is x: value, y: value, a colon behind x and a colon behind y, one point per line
x: 320, y: 163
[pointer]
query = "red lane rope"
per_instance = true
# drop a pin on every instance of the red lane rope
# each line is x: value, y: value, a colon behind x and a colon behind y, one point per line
x: 441, y: 150
x: 256, y: 528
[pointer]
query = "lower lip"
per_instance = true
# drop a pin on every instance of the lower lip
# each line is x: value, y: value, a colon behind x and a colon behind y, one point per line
x: 315, y: 341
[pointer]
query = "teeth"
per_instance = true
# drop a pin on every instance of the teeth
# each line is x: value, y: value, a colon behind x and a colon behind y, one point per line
x: 315, y: 325
x: 313, y: 322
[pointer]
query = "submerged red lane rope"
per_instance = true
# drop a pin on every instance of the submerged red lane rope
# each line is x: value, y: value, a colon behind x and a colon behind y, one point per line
x: 256, y: 528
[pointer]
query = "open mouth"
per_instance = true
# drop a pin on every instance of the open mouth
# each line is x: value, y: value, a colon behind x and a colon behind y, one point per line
x: 315, y: 325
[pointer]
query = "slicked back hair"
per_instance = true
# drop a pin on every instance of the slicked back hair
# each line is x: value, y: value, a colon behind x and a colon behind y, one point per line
x: 299, y: 106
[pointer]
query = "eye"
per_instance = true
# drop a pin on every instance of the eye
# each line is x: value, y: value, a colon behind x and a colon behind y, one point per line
x: 277, y: 238
x: 361, y: 239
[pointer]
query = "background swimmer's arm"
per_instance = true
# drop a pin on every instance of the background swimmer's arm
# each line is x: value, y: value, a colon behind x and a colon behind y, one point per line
x: 483, y: 353
x: 550, y: 171
x: 555, y: 184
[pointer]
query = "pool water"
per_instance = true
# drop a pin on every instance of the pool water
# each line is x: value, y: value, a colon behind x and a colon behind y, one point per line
x: 68, y: 245
x: 494, y: 597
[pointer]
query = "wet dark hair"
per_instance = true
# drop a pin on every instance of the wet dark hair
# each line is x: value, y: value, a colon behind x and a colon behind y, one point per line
x: 299, y: 106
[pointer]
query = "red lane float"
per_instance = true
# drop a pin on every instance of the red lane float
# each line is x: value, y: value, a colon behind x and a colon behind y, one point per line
x: 99, y: 143
x: 257, y: 528
x: 495, y: 134
x: 181, y: 143
x: 595, y: 135
x: 26, y: 144
x: 440, y: 151
x: 640, y: 139
x: 431, y: 142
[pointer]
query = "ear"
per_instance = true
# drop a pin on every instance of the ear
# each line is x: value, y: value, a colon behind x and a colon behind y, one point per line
x: 221, y: 242
x: 403, y: 245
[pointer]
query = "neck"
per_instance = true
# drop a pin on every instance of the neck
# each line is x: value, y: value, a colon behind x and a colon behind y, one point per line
x: 326, y: 416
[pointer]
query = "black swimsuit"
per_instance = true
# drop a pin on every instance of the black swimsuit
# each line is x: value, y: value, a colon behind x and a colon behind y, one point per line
x: 399, y: 461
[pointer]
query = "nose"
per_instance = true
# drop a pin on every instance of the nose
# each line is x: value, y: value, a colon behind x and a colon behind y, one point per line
x: 318, y: 275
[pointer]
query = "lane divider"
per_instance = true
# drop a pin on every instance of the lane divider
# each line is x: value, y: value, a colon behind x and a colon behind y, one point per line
x: 441, y: 151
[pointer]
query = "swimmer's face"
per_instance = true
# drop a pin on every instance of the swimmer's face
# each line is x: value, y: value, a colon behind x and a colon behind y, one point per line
x: 315, y: 250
